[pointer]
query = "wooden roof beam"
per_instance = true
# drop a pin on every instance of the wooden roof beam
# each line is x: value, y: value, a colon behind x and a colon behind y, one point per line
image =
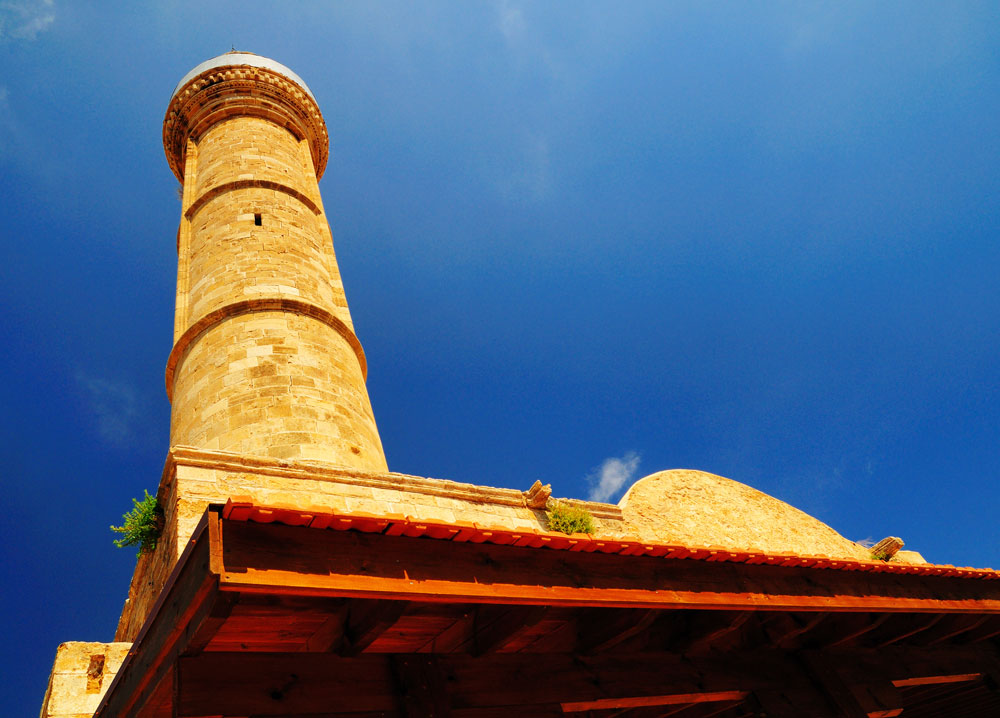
x: 495, y: 627
x: 305, y: 561
x: 937, y: 680
x: 366, y: 621
x: 219, y: 612
x: 956, y: 626
x: 453, y: 638
x: 789, y: 630
x: 921, y: 624
x: 987, y: 631
x: 674, y: 699
x: 599, y: 632
x: 706, y: 630
x: 866, y: 628
x: 329, y: 636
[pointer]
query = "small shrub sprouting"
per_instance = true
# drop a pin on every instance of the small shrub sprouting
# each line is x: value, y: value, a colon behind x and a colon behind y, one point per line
x: 569, y: 519
x: 880, y: 556
x: 142, y: 526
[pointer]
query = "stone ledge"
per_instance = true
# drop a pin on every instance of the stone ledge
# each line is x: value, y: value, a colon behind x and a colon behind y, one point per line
x: 315, y: 470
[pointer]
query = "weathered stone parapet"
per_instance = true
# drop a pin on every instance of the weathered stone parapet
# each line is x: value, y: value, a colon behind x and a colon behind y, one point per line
x: 194, y: 478
x: 80, y: 677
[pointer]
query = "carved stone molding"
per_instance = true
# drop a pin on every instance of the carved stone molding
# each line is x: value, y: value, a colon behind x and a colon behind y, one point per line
x: 266, y: 304
x: 220, y: 93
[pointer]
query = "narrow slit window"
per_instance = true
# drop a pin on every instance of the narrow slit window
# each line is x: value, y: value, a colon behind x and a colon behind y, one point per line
x: 257, y: 219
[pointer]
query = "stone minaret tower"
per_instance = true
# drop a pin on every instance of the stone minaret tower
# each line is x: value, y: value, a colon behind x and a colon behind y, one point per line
x: 266, y: 377
x: 265, y: 359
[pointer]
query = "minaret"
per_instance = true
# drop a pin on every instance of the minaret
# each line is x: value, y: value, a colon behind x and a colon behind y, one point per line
x: 265, y: 359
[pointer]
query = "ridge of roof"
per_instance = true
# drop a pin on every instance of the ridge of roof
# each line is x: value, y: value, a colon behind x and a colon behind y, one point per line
x: 240, y: 508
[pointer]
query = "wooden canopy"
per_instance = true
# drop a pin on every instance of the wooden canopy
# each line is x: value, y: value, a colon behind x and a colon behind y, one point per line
x: 284, y: 612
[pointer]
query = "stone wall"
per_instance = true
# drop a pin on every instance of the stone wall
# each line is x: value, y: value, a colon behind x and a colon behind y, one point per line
x: 194, y: 478
x: 279, y: 384
x: 80, y: 677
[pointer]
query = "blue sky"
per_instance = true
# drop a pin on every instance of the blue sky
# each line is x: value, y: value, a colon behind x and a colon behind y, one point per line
x: 757, y: 239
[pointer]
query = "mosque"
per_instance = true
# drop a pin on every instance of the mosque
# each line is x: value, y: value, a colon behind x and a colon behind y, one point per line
x: 295, y: 575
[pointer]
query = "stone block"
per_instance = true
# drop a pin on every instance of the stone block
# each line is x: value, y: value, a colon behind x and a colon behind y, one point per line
x: 81, y: 674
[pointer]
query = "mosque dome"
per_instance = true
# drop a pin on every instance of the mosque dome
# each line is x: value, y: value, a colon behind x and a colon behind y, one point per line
x: 697, y: 508
x: 235, y: 58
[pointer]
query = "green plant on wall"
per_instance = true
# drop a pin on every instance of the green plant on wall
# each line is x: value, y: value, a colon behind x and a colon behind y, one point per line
x: 569, y: 519
x: 142, y: 525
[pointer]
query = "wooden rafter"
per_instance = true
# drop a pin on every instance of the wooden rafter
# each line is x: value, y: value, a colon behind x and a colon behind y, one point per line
x: 599, y: 633
x: 864, y: 629
x: 923, y: 624
x: 366, y: 621
x: 496, y: 627
x: 787, y: 630
x: 937, y: 680
x: 217, y: 616
x: 709, y: 629
x: 673, y: 699
x: 989, y: 630
x: 329, y: 635
x: 955, y: 627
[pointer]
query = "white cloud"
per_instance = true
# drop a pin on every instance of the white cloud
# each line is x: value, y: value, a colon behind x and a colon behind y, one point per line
x: 525, y: 43
x: 511, y: 21
x: 25, y: 20
x: 115, y: 407
x: 612, y: 476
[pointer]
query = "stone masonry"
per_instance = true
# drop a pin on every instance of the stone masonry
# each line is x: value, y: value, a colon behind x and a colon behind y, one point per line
x: 81, y: 675
x: 265, y: 360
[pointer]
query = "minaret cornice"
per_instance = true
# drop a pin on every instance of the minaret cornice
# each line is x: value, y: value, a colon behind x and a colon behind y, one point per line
x: 225, y: 91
